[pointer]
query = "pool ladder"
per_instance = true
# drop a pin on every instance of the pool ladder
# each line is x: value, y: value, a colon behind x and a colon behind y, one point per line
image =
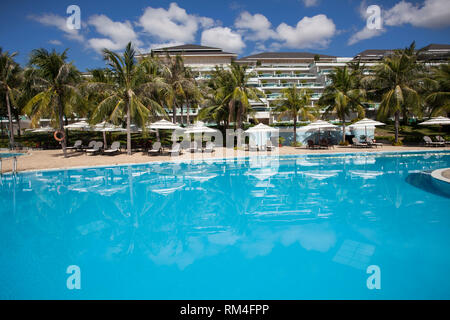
x: 14, y: 168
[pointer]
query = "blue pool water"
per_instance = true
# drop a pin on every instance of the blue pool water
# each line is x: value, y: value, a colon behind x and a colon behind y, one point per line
x: 9, y: 155
x: 303, y: 227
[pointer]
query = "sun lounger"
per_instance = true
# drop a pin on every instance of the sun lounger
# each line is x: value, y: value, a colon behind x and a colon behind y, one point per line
x: 90, y: 145
x: 176, y: 150
x: 431, y: 143
x: 252, y: 146
x: 311, y: 145
x: 156, y: 149
x: 370, y: 142
x: 76, y: 146
x: 96, y: 149
x: 324, y: 144
x: 270, y: 146
x: 209, y: 147
x: 195, y: 147
x: 114, y: 149
x: 358, y: 144
x: 440, y: 139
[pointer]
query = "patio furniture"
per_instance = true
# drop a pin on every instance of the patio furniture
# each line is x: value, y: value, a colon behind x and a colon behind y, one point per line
x: 431, y: 143
x: 370, y: 142
x: 89, y: 146
x: 114, y: 149
x: 76, y: 146
x: 358, y: 144
x: 209, y: 147
x: 195, y: 147
x: 441, y: 139
x: 311, y: 145
x: 176, y: 150
x: 156, y: 149
x: 96, y: 149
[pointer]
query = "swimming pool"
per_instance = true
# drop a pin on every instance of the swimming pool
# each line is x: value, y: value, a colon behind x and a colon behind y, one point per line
x: 9, y: 155
x: 297, y: 227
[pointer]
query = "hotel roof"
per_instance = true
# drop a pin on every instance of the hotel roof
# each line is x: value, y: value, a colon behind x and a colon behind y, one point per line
x: 284, y: 55
x: 192, y: 49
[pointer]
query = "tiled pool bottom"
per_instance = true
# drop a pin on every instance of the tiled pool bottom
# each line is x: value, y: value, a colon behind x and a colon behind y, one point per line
x: 259, y: 228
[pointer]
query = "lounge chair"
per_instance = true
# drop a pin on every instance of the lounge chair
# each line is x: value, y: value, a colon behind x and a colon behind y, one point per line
x: 114, y: 149
x: 156, y: 149
x: 358, y: 144
x: 90, y: 145
x: 252, y: 146
x: 324, y: 144
x: 440, y: 139
x: 96, y: 149
x: 431, y: 143
x: 370, y: 142
x: 311, y: 145
x: 209, y: 147
x: 76, y: 146
x: 176, y: 150
x: 195, y: 147
x: 270, y: 146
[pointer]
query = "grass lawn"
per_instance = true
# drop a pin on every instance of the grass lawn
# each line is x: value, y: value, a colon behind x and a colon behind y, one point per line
x: 411, y: 134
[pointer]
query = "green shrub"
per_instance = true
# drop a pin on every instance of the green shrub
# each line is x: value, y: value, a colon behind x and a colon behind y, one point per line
x: 344, y: 143
x: 398, y: 143
x: 296, y: 144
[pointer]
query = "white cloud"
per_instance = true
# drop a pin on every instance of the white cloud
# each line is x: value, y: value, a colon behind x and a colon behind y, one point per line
x: 59, y: 22
x: 173, y: 24
x: 117, y: 34
x: 311, y: 32
x: 256, y: 27
x: 55, y: 42
x: 310, y: 3
x: 432, y: 14
x: 365, y: 34
x: 223, y: 38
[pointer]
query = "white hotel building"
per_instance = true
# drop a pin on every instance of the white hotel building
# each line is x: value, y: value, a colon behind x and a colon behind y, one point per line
x: 277, y: 70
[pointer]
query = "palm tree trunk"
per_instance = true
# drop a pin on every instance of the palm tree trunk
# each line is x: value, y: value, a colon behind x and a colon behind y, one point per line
x: 187, y: 114
x: 295, y: 130
x: 343, y: 130
x: 61, y: 125
x: 181, y: 113
x: 128, y: 129
x: 174, y: 113
x: 11, y: 129
x: 396, y: 125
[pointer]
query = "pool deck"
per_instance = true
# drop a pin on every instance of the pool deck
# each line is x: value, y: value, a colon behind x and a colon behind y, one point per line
x: 54, y: 159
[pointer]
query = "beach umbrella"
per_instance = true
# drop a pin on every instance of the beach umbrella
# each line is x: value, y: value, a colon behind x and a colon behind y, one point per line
x: 441, y: 121
x: 80, y: 125
x: 364, y: 123
x: 200, y: 127
x: 43, y: 129
x: 164, y: 125
x: 107, y: 127
x: 319, y: 125
x: 262, y: 132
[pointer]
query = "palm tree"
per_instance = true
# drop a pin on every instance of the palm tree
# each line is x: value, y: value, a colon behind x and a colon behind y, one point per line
x: 10, y: 80
x: 396, y: 81
x: 179, y: 82
x: 295, y: 103
x: 438, y: 98
x: 343, y: 96
x: 233, y: 86
x: 127, y: 96
x: 56, y: 81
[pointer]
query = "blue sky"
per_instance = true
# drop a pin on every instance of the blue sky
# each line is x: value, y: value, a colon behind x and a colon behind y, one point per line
x: 244, y: 27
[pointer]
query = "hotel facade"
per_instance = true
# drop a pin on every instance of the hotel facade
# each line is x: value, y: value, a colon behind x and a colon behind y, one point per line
x: 273, y: 71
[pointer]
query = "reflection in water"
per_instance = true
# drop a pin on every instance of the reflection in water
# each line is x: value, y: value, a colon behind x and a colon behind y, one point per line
x: 288, y: 213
